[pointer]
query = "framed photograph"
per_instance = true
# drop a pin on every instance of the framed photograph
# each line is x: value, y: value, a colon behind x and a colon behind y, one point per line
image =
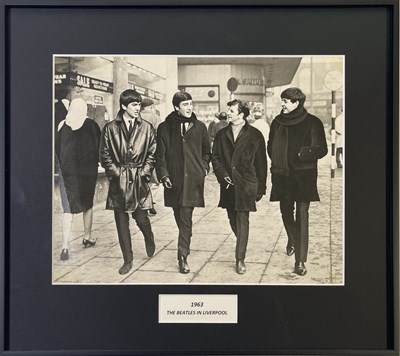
x: 200, y: 178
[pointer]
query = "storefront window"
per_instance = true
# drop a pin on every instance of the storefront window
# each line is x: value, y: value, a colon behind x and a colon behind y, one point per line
x: 147, y: 83
x: 205, y: 101
x: 95, y: 76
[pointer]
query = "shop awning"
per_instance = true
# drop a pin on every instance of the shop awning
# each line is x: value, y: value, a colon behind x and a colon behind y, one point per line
x: 278, y: 71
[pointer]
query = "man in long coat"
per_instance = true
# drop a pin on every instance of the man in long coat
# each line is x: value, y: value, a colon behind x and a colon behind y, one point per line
x: 183, y: 155
x: 296, y: 142
x: 127, y: 151
x: 240, y: 164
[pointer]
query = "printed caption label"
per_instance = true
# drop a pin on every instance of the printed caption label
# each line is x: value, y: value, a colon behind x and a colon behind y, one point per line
x: 197, y: 308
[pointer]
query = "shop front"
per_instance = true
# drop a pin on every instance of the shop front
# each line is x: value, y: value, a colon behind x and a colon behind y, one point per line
x: 101, y: 80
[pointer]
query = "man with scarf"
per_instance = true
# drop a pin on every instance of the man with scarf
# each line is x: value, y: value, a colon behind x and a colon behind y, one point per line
x: 127, y: 149
x: 240, y: 164
x: 296, y: 142
x: 182, y: 156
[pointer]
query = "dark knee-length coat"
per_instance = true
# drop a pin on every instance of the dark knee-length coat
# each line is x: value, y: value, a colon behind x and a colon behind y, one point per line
x: 196, y: 159
x: 245, y: 162
x: 306, y: 143
x: 128, y: 161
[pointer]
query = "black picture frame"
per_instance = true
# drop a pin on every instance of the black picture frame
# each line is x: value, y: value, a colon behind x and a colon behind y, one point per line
x: 34, y: 321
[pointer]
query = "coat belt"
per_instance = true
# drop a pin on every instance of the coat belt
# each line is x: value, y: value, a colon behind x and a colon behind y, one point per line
x: 132, y: 165
x: 129, y: 167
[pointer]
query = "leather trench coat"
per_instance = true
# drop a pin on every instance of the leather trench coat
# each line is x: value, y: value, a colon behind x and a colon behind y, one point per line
x: 128, y: 161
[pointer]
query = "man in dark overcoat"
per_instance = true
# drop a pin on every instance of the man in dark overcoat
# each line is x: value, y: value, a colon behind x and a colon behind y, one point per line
x: 296, y: 142
x: 240, y: 164
x: 127, y: 150
x: 183, y: 156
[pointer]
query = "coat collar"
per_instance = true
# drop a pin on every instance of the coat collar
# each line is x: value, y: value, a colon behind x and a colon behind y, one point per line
x: 119, y: 118
x: 230, y: 134
x: 120, y: 121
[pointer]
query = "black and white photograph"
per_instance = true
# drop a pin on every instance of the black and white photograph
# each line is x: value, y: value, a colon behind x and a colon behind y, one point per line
x: 200, y: 177
x: 198, y: 169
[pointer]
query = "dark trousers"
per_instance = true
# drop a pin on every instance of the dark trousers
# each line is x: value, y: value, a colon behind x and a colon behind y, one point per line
x: 339, y: 152
x: 124, y: 235
x: 183, y: 217
x: 239, y: 221
x: 297, y: 230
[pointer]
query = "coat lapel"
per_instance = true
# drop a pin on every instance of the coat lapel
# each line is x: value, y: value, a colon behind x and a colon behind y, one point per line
x: 229, y: 134
x: 241, y: 132
x: 136, y: 130
x: 122, y: 127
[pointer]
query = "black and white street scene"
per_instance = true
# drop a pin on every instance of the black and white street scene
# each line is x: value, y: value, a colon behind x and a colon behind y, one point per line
x: 198, y: 170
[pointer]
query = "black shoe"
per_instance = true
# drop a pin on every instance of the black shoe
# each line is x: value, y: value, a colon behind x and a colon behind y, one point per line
x: 150, y: 245
x: 64, y: 254
x: 152, y: 211
x: 183, y: 265
x: 126, y: 267
x: 339, y: 165
x: 300, y: 268
x: 289, y: 249
x: 88, y: 243
x: 240, y: 267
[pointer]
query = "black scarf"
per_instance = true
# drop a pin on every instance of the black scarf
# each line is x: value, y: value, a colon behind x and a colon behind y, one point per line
x: 176, y: 163
x: 280, y: 144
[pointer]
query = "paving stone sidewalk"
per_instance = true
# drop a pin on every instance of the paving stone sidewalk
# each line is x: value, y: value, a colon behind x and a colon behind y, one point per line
x: 212, y: 258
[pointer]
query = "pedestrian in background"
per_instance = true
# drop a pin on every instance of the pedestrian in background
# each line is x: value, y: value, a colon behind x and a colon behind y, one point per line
x: 77, y: 147
x: 240, y: 165
x: 183, y: 155
x: 211, y: 126
x: 127, y: 150
x: 148, y: 114
x: 261, y: 124
x: 222, y: 117
x: 296, y: 142
x: 64, y: 96
x: 339, y: 139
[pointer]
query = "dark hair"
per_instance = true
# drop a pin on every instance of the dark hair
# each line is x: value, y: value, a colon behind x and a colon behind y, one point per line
x: 242, y: 107
x: 147, y: 102
x: 129, y: 96
x: 179, y: 97
x: 294, y: 94
x: 62, y: 91
x: 222, y: 116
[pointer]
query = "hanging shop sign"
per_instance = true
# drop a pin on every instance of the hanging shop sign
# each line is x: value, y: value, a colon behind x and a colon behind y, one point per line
x: 148, y: 92
x: 92, y: 83
x: 83, y: 81
x: 97, y: 99
x: 232, y: 84
x: 61, y: 78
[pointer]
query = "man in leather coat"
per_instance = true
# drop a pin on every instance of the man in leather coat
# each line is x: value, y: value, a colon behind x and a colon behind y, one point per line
x: 127, y: 149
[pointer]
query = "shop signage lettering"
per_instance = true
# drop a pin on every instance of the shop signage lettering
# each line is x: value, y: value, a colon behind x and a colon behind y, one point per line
x: 93, y: 83
x: 141, y: 90
x: 147, y: 92
x: 59, y: 78
x: 82, y: 81
x: 98, y: 99
x: 251, y: 81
